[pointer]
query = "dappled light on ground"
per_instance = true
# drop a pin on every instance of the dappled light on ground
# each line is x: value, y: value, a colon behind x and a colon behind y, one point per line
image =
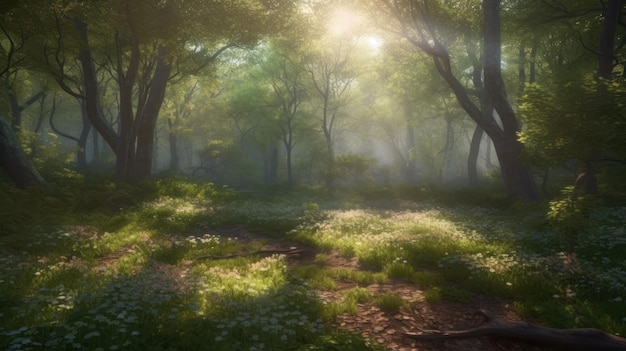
x: 253, y: 274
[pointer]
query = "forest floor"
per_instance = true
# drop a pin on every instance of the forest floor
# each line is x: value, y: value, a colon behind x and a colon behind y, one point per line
x: 277, y: 274
x: 387, y: 329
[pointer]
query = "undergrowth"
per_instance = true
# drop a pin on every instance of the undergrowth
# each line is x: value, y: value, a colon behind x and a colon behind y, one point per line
x: 96, y: 265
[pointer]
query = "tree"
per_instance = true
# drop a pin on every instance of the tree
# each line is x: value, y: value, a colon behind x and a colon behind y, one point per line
x: 14, y: 161
x: 12, y: 157
x: 576, y: 118
x: 426, y: 124
x: 331, y: 77
x: 144, y: 46
x: 253, y: 118
x: 180, y: 106
x: 286, y: 74
x: 416, y: 21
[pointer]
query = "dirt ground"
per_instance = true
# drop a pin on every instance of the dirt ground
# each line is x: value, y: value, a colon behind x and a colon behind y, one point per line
x: 421, y: 316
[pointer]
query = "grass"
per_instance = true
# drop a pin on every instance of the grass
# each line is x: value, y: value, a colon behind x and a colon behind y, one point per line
x: 389, y: 302
x: 133, y: 269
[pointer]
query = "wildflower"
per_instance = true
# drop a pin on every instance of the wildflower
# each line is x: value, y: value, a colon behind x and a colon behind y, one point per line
x: 91, y: 335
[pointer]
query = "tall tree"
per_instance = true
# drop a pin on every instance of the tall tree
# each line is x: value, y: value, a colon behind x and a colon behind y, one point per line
x: 286, y: 75
x: 417, y: 21
x: 332, y: 79
x: 145, y: 45
x: 577, y: 117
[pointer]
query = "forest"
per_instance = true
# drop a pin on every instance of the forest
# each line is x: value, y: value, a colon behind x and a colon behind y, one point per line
x: 312, y: 175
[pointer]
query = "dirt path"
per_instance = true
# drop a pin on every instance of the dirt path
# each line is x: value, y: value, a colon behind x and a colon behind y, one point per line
x: 387, y: 329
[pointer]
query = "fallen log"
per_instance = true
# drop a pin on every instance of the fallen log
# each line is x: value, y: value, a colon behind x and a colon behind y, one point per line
x: 583, y: 339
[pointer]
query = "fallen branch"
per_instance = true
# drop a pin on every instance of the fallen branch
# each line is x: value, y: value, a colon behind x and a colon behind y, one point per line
x: 568, y: 339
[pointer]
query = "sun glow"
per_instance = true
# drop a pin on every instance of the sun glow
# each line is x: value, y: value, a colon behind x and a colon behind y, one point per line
x: 344, y: 21
x: 373, y: 42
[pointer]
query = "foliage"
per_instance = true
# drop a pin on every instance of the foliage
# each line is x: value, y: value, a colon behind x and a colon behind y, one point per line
x: 342, y: 340
x: 144, y: 276
x: 51, y: 159
x: 582, y: 120
x: 570, y: 211
x: 390, y: 303
x: 353, y: 168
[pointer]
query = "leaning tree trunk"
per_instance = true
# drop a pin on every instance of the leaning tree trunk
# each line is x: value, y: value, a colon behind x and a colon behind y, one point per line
x: 14, y: 161
x: 507, y: 147
x: 485, y: 108
x: 90, y: 82
x: 516, y: 174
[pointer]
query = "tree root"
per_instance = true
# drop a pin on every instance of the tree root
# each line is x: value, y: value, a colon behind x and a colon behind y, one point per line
x: 566, y: 339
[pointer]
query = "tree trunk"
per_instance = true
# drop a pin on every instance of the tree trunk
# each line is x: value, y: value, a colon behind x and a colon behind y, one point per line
x: 42, y: 112
x: 14, y: 161
x: 486, y: 109
x: 472, y: 158
x: 532, y: 68
x: 587, y: 180
x: 147, y: 119
x: 516, y: 174
x: 411, y: 157
x: 174, y: 155
x: 90, y: 82
x: 607, y: 38
x: 95, y: 141
x: 81, y: 153
x: 521, y: 67
x: 288, y: 142
x: 81, y: 141
x: 16, y: 111
x: 271, y: 165
x: 289, y: 167
x: 488, y: 159
x: 125, y: 149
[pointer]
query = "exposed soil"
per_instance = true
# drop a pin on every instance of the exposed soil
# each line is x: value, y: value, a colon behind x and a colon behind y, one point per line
x: 371, y: 322
x: 421, y: 316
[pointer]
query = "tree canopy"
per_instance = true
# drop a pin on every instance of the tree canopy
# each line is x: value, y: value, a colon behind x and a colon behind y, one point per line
x: 427, y: 91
